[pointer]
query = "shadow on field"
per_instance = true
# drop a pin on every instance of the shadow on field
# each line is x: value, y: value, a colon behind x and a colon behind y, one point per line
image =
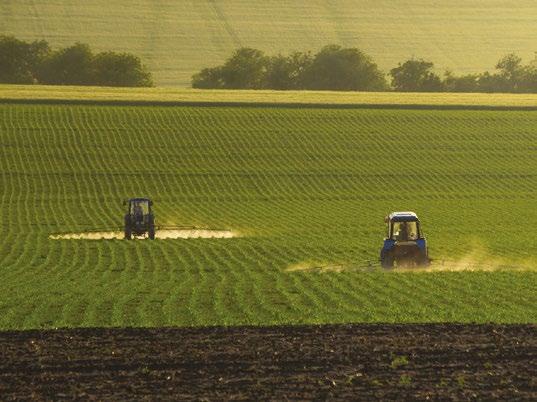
x: 264, y: 105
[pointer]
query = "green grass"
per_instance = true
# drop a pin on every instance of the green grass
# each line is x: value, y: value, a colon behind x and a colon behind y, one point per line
x: 176, y: 39
x: 304, y: 187
x: 334, y: 99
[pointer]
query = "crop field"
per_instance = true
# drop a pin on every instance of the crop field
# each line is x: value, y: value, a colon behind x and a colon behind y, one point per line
x: 304, y: 190
x: 322, y: 99
x: 178, y: 38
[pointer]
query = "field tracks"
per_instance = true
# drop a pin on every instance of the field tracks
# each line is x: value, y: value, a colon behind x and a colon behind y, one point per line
x: 225, y: 22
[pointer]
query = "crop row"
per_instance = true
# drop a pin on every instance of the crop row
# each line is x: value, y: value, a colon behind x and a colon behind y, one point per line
x: 303, y: 187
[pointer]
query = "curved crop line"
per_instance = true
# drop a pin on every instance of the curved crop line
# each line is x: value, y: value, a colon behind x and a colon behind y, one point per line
x: 302, y: 187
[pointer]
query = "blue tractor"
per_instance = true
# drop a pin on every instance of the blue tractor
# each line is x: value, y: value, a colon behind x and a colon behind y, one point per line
x: 405, y: 244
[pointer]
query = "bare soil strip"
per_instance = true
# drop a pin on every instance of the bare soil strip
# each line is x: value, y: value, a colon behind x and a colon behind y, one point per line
x: 159, y: 234
x: 345, y: 362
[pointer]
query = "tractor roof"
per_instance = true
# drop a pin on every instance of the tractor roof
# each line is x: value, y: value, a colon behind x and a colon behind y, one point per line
x: 403, y: 216
x: 139, y: 199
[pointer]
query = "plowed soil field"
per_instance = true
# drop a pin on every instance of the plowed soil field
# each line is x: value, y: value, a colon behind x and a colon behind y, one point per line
x: 301, y: 362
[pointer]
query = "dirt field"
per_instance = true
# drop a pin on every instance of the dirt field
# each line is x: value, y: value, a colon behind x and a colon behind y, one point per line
x: 334, y: 362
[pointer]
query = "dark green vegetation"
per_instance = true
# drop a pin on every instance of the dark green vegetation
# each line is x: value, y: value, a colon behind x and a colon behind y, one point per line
x: 27, y: 63
x: 511, y: 76
x: 349, y: 69
x: 304, y: 187
x: 332, y: 68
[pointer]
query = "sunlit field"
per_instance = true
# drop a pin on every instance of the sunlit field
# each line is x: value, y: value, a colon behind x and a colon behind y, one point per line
x: 268, y: 98
x: 305, y: 190
x: 177, y: 39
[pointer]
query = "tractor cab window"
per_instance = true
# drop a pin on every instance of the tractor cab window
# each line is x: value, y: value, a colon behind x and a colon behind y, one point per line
x: 405, y: 231
x: 139, y: 208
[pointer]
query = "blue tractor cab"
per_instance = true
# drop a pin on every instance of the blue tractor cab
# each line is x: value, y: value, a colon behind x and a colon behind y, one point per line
x: 405, y: 244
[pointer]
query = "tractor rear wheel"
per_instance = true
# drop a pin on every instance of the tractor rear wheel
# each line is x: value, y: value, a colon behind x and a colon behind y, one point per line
x: 151, y: 232
x: 386, y: 260
x: 128, y: 230
x: 424, y: 261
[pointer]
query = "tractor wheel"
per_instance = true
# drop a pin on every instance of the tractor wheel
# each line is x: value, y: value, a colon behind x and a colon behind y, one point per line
x: 386, y: 261
x: 128, y: 231
x: 424, y: 261
x: 152, y: 232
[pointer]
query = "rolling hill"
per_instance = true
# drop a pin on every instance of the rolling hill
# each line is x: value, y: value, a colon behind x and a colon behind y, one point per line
x: 177, y: 38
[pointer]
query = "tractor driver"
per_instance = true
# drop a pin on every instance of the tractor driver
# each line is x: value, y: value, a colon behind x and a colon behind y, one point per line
x: 402, y: 235
x: 138, y: 211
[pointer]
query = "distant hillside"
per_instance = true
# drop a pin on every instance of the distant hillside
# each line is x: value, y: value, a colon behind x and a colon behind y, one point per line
x: 177, y: 38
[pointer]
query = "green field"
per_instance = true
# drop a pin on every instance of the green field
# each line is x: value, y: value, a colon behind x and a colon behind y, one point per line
x: 303, y: 187
x: 177, y: 38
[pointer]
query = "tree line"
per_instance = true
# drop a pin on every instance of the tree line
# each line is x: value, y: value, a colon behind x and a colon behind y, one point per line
x: 332, y: 68
x: 36, y: 63
x: 349, y: 69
